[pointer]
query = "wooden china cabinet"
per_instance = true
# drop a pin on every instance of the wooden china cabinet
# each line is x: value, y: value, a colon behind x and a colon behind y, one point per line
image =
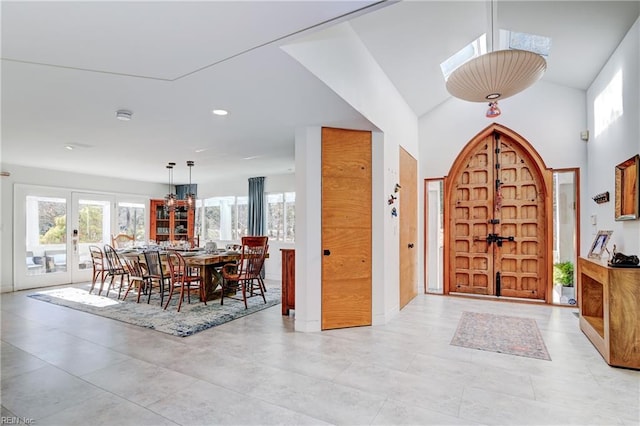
x: 177, y: 225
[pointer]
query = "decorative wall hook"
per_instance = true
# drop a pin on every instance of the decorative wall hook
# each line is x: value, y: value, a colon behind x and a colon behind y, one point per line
x: 391, y: 199
x: 394, y: 212
x: 601, y: 198
x: 397, y: 188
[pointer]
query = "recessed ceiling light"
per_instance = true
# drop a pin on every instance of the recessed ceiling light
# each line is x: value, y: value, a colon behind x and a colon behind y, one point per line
x: 69, y: 147
x: 123, y: 114
x: 220, y: 112
x: 199, y: 150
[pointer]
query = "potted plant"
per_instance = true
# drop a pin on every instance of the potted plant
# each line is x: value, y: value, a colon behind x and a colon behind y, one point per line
x: 563, y: 273
x: 563, y: 280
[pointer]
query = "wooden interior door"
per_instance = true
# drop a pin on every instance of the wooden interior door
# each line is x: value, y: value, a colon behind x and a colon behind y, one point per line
x: 499, y: 219
x: 346, y: 228
x: 408, y: 218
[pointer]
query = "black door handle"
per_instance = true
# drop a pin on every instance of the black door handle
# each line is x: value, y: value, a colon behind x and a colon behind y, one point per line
x: 326, y: 252
x: 498, y: 239
x: 410, y: 245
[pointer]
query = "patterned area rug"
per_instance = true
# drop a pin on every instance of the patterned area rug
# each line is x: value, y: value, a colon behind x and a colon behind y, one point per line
x: 499, y: 333
x: 191, y: 319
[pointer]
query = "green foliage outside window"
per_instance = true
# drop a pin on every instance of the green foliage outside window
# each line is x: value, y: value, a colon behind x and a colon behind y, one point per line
x: 56, y: 234
x: 563, y: 274
x: 90, y: 224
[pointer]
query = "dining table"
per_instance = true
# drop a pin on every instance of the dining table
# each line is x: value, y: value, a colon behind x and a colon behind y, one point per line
x: 207, y: 264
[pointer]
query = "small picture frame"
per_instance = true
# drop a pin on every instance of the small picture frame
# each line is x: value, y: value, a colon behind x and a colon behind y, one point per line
x: 599, y: 244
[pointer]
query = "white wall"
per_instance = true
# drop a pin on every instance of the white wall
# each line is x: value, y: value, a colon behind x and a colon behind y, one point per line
x: 549, y: 116
x: 620, y: 141
x: 240, y: 185
x: 308, y: 265
x: 340, y: 59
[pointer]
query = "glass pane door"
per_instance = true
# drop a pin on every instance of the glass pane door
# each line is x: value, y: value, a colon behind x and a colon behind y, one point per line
x: 40, y: 257
x: 434, y: 243
x: 91, y: 225
x: 565, y: 231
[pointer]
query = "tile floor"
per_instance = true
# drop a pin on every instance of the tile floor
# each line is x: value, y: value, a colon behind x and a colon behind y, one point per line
x: 64, y: 367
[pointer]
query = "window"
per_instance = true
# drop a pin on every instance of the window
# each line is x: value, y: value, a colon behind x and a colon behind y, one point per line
x: 51, y: 221
x: 281, y: 216
x: 92, y: 216
x: 607, y: 106
x: 472, y: 50
x: 226, y: 218
x: 131, y: 219
x: 222, y: 218
x: 531, y: 42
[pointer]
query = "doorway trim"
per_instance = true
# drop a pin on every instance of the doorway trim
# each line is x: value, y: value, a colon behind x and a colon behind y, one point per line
x: 539, y: 166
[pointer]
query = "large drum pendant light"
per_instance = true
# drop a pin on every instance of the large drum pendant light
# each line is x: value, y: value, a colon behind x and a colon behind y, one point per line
x: 497, y: 74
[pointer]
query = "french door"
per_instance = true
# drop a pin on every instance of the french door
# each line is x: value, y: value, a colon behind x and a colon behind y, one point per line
x: 499, y: 227
x: 53, y: 231
x: 92, y: 219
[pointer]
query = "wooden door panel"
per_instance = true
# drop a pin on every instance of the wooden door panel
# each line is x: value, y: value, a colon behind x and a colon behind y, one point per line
x: 343, y: 202
x: 347, y: 242
x: 497, y: 189
x: 522, y: 205
x: 471, y: 210
x: 408, y: 208
x: 346, y: 228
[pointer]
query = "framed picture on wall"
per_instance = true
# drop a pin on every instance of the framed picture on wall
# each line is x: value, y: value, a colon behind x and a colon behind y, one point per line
x: 599, y: 244
x: 627, y: 189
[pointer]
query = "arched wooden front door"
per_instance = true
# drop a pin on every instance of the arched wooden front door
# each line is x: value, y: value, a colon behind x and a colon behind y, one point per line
x: 499, y: 224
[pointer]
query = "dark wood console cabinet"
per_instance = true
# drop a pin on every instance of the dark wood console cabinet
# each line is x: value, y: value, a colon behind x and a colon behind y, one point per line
x: 609, y: 302
x: 288, y: 280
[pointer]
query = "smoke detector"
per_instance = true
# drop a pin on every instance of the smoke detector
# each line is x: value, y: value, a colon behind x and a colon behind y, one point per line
x: 123, y: 114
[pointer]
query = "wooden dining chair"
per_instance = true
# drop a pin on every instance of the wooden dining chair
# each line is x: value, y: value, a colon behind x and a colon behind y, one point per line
x: 99, y: 267
x: 183, y: 280
x: 122, y: 240
x: 157, y: 274
x: 138, y: 276
x: 245, y: 274
x: 115, y: 268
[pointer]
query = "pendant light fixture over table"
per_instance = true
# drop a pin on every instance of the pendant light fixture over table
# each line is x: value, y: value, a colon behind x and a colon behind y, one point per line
x: 191, y: 196
x: 170, y: 198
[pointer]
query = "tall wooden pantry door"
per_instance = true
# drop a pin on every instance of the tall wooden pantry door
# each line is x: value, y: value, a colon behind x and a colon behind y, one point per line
x: 346, y: 228
x: 499, y: 226
x: 408, y: 221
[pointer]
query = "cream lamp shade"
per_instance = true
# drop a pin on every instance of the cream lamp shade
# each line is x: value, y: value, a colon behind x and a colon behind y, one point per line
x: 496, y: 75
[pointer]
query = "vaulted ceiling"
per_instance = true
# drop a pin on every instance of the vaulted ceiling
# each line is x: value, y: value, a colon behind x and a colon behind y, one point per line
x: 67, y: 67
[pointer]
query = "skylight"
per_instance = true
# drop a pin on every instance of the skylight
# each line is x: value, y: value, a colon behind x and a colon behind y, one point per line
x: 472, y: 50
x: 531, y: 42
x: 507, y: 40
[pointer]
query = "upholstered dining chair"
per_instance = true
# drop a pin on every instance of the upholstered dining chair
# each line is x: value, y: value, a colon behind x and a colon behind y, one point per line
x: 182, y: 280
x: 99, y: 267
x: 115, y: 268
x: 122, y: 240
x: 245, y: 274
